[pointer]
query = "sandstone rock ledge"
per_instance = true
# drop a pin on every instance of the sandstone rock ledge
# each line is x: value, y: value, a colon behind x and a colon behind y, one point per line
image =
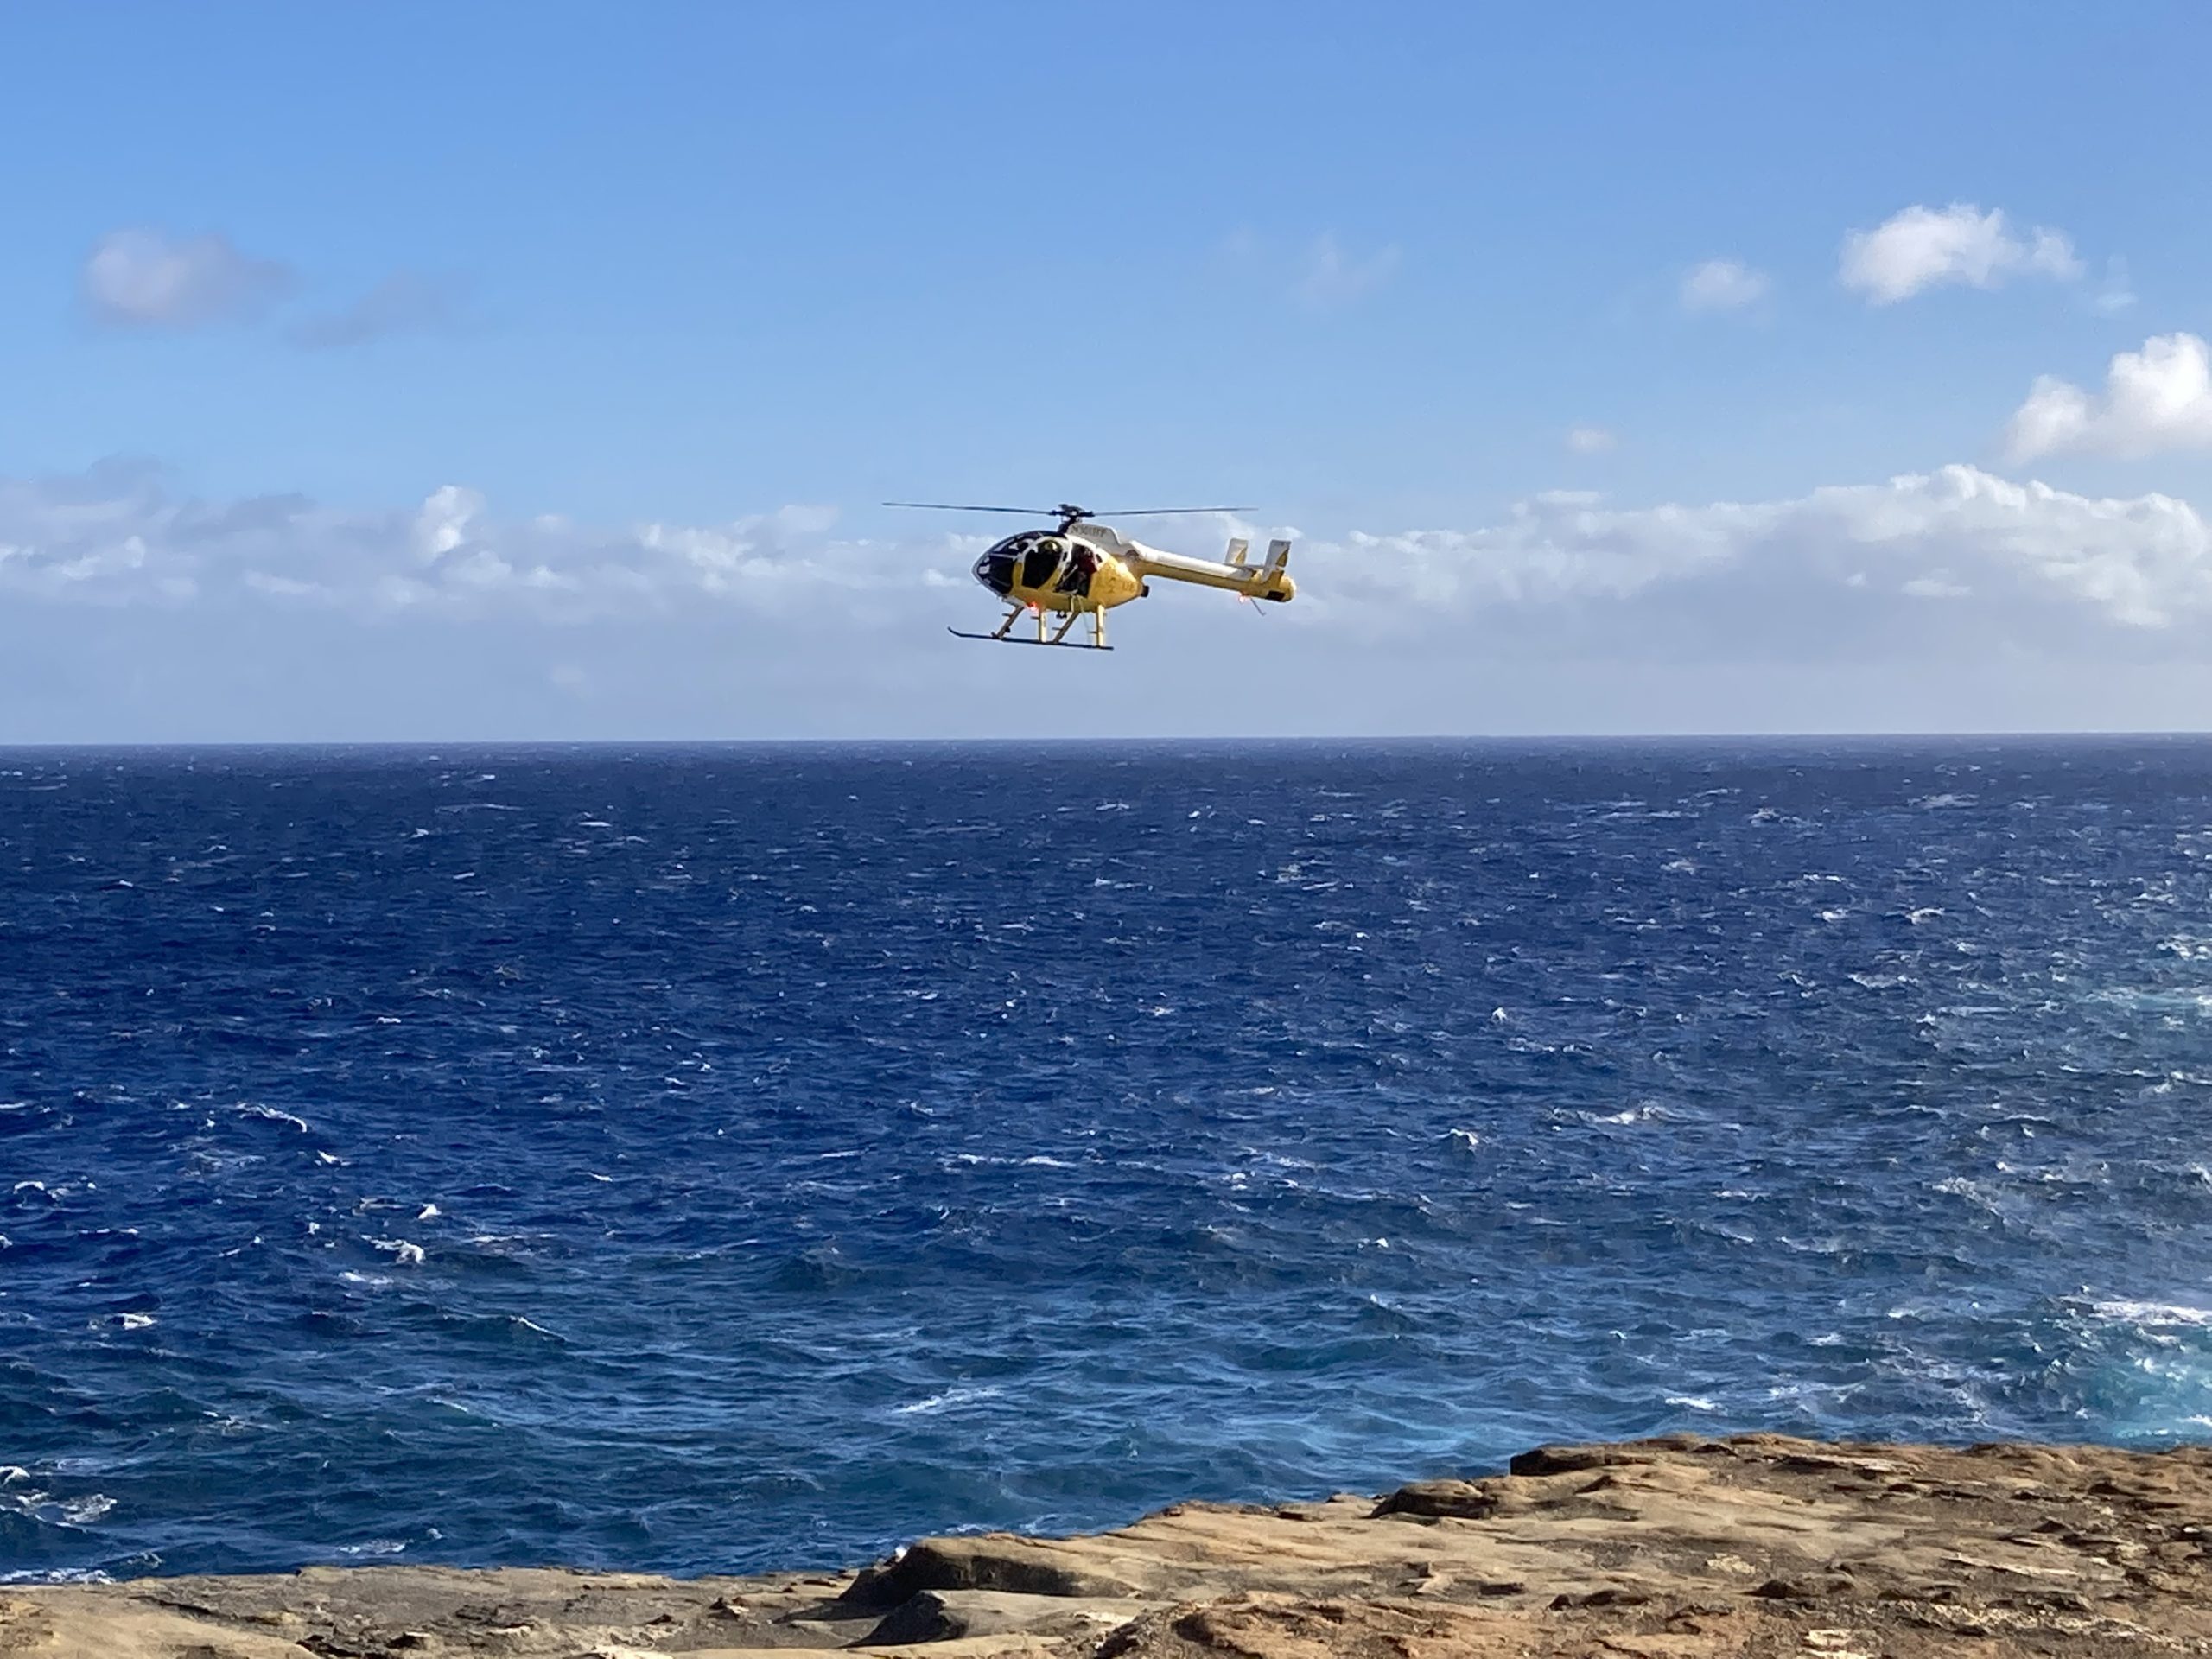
x: 1667, y: 1548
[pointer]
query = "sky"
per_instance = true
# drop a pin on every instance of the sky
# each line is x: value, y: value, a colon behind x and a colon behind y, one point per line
x: 507, y: 372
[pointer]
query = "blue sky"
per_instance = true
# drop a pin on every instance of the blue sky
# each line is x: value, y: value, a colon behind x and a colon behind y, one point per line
x: 665, y: 299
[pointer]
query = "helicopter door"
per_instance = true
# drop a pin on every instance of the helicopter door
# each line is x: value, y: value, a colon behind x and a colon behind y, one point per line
x: 1076, y: 574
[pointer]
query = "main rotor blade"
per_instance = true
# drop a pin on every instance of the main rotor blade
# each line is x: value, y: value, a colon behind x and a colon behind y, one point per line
x: 1157, y: 512
x: 954, y: 506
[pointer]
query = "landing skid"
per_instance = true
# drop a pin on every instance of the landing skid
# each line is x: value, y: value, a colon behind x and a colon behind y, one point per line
x: 1011, y: 639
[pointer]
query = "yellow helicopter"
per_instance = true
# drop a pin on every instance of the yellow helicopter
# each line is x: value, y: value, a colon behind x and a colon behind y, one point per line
x: 1082, y: 569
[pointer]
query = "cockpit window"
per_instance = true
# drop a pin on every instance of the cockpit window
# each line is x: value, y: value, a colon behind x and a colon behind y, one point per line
x: 1042, y: 559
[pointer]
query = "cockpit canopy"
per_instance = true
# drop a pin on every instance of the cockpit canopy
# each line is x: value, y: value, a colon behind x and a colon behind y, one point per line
x: 1035, y: 559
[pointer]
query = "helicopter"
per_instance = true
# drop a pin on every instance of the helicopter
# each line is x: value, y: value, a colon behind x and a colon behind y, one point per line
x: 1081, y: 568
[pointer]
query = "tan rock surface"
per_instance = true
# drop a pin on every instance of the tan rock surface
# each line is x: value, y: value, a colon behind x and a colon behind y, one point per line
x: 1667, y: 1549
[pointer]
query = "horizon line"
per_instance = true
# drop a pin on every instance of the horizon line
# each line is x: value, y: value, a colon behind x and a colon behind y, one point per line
x: 1065, y: 741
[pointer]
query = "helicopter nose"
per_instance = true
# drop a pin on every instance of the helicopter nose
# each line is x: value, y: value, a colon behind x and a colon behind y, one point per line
x: 995, y: 572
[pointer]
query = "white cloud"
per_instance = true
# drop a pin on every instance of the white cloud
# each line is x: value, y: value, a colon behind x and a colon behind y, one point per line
x: 2116, y: 294
x: 1938, y: 586
x: 442, y: 523
x: 404, y: 302
x: 142, y: 278
x: 1922, y: 248
x: 2158, y: 398
x: 1589, y: 439
x: 1724, y: 285
x: 148, y: 279
x: 1328, y: 277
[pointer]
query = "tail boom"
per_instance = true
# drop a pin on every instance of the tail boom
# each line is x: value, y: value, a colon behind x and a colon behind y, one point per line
x: 1268, y: 581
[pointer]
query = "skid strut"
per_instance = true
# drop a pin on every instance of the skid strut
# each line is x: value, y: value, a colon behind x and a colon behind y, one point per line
x: 1004, y: 634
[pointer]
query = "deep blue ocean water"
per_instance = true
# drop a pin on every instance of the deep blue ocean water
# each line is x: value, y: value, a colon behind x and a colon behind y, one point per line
x: 720, y: 1158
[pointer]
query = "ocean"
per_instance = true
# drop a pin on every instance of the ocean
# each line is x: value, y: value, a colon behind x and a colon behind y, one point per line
x: 725, y: 1158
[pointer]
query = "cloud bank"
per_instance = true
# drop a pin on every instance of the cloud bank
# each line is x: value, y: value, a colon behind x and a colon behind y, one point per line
x: 121, y: 536
x: 1957, y: 533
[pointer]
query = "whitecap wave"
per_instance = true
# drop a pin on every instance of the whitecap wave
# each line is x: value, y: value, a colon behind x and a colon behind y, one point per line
x: 269, y: 1114
x: 940, y: 1402
x: 2152, y: 1316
